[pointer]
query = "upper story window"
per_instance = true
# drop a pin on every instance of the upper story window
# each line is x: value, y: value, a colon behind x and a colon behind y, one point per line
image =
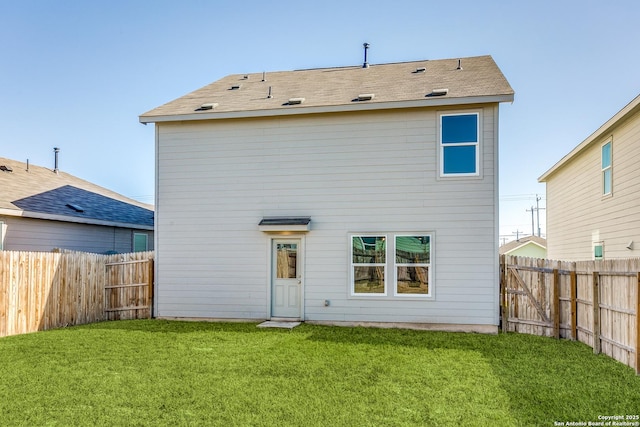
x: 606, y: 169
x: 459, y: 144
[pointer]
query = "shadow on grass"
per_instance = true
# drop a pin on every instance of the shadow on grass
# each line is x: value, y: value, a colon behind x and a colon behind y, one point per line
x: 174, y: 326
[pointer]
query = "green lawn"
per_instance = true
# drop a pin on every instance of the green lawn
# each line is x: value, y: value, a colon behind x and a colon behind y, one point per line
x: 153, y: 372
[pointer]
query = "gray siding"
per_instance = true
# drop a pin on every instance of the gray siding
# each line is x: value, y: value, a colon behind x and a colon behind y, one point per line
x: 28, y: 234
x: 360, y: 172
x: 578, y: 214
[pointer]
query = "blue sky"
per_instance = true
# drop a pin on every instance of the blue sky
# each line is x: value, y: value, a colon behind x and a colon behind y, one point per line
x: 77, y: 74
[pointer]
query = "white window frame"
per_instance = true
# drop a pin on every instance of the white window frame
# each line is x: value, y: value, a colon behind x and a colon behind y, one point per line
x: 606, y: 169
x: 390, y: 263
x: 352, y: 265
x: 428, y: 265
x: 593, y: 250
x: 476, y: 144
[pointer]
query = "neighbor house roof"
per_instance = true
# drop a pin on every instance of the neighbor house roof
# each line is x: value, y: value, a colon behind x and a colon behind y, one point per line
x: 41, y: 193
x: 398, y: 85
x: 523, y: 241
x: 630, y: 109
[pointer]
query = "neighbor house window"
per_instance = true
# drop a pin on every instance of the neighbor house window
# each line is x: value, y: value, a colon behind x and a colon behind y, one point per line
x: 412, y: 265
x: 368, y: 262
x: 606, y: 168
x: 2, y: 227
x: 598, y: 250
x: 459, y: 144
x: 140, y: 242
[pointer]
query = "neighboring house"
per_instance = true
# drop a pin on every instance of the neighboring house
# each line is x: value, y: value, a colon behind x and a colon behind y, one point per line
x: 527, y: 246
x: 42, y: 209
x: 593, y: 193
x: 354, y: 194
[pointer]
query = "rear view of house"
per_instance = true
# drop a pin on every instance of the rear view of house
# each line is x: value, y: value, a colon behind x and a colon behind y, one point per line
x: 42, y: 209
x: 341, y: 195
x: 593, y: 193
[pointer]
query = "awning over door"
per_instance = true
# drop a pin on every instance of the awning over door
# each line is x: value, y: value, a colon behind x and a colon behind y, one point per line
x: 282, y: 223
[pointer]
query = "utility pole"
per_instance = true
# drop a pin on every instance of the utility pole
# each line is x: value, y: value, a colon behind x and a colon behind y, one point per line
x: 538, y: 208
x: 532, y: 224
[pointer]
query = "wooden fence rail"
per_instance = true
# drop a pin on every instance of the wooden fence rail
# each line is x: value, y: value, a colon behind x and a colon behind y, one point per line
x: 595, y: 302
x: 46, y: 290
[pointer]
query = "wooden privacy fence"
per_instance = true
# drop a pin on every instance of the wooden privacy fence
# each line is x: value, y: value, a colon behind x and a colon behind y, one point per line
x: 595, y: 302
x: 46, y: 290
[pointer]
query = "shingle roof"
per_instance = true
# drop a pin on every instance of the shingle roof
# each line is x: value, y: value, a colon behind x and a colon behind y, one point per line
x: 41, y: 192
x: 514, y: 244
x: 404, y: 84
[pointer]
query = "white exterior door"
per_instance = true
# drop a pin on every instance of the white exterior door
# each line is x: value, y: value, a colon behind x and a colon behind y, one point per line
x: 286, y: 289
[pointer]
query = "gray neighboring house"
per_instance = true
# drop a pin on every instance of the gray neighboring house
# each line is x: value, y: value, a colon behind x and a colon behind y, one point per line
x: 42, y: 209
x: 336, y: 195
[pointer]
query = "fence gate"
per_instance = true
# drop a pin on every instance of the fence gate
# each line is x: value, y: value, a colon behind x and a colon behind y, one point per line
x: 128, y: 289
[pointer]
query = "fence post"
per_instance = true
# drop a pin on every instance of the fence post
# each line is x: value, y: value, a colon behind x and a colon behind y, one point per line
x: 638, y: 325
x: 556, y: 304
x: 151, y: 280
x: 597, y: 345
x: 574, y: 305
x: 503, y: 292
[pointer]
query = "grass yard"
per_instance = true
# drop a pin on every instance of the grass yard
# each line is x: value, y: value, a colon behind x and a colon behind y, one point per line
x: 154, y: 372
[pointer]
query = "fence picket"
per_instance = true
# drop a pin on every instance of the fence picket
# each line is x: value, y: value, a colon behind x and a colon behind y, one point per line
x: 595, y: 302
x: 44, y: 290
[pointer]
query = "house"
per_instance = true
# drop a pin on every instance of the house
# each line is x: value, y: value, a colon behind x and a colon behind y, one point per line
x: 337, y: 195
x: 527, y: 246
x: 42, y: 209
x: 593, y: 193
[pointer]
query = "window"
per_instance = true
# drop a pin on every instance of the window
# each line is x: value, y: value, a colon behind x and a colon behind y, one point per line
x: 598, y: 250
x: 413, y: 261
x: 140, y: 242
x: 391, y: 261
x: 459, y: 144
x: 2, y: 227
x: 368, y: 261
x: 606, y: 168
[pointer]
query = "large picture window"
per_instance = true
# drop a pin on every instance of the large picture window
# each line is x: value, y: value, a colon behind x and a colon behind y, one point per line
x: 606, y: 169
x: 368, y: 262
x: 413, y: 262
x: 459, y: 144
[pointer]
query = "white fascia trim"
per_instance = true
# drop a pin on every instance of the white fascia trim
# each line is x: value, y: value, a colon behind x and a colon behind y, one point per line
x: 629, y: 109
x: 76, y: 220
x: 296, y: 110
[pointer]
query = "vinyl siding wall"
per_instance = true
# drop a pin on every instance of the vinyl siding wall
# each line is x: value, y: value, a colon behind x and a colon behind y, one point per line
x: 360, y: 172
x: 578, y: 214
x: 28, y: 234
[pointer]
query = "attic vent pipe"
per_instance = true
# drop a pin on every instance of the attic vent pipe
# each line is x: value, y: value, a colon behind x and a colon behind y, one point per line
x: 366, y: 47
x: 459, y: 64
x: 56, y: 150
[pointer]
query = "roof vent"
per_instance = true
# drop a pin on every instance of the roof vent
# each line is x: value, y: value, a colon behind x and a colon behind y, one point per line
x: 366, y: 96
x: 207, y: 106
x: 459, y: 64
x: 439, y: 92
x: 295, y: 101
x: 75, y: 207
x: 235, y: 87
x: 420, y: 70
x: 366, y: 47
x: 5, y: 168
